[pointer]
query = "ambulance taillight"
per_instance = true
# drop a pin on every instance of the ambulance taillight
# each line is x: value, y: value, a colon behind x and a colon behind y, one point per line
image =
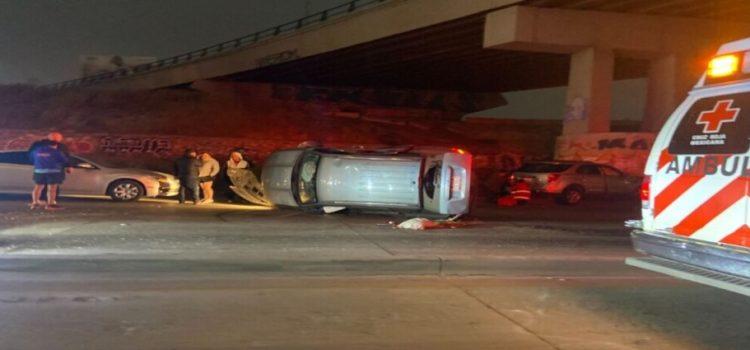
x: 645, y: 191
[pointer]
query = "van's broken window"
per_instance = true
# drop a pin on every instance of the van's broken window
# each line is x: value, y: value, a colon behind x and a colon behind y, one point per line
x: 308, y: 170
x: 714, y: 125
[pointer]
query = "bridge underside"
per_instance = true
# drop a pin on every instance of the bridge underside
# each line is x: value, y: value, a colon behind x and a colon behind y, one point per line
x: 449, y: 56
x: 484, y: 46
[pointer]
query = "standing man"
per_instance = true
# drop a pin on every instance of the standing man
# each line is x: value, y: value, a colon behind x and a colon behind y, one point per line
x: 186, y: 169
x: 209, y: 168
x: 50, y: 164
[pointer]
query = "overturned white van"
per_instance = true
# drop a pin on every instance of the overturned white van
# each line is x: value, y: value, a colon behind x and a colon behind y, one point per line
x: 432, y: 180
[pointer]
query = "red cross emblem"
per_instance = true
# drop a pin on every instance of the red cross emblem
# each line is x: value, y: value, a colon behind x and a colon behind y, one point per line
x: 722, y: 113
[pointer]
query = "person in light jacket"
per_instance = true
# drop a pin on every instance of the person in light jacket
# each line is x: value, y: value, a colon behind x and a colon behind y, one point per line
x: 207, y: 173
x: 235, y: 164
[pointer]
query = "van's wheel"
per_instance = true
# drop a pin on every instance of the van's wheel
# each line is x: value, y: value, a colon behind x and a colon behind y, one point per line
x: 572, y: 195
x: 126, y: 190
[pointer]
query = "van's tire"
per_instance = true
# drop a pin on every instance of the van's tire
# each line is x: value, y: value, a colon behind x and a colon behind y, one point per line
x: 125, y: 191
x: 572, y: 195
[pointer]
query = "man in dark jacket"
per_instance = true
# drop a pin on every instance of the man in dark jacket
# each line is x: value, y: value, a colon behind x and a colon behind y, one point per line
x: 49, y: 171
x: 49, y: 178
x: 186, y: 169
x: 52, y: 138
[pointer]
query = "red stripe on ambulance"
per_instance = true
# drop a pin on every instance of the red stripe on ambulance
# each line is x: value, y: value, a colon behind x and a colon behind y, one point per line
x: 673, y: 191
x: 664, y: 158
x: 712, y: 207
x: 739, y: 237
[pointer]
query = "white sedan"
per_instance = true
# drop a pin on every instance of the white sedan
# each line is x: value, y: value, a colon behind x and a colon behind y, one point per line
x: 88, y: 178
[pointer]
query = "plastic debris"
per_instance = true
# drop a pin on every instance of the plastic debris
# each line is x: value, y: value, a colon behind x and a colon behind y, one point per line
x: 331, y: 210
x: 427, y: 224
x: 417, y: 224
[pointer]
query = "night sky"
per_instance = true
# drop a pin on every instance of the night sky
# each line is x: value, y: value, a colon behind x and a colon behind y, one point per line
x: 41, y: 40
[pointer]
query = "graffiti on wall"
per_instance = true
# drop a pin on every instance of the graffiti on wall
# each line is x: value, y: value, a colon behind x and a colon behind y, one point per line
x: 625, y: 151
x: 135, y: 144
x: 624, y: 143
x: 576, y: 109
x: 14, y: 141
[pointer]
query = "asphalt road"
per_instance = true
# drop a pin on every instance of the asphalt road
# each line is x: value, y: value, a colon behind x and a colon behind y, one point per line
x: 157, y: 275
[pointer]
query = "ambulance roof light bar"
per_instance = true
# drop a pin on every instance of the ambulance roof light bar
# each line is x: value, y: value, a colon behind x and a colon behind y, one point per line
x: 723, y: 66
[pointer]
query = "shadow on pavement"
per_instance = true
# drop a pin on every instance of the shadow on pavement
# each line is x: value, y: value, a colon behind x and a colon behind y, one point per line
x: 547, y: 210
x: 712, y: 317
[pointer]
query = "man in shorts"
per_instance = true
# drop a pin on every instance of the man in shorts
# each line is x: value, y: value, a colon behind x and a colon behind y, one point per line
x: 207, y: 172
x: 50, y: 164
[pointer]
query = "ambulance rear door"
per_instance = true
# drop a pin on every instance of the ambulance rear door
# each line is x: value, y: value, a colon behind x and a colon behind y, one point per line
x: 700, y: 186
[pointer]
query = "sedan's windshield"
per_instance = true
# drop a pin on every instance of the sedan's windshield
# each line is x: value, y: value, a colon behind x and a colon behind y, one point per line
x: 307, y: 170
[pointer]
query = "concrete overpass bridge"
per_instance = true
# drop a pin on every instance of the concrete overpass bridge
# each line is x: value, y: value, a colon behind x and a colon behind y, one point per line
x: 477, y: 45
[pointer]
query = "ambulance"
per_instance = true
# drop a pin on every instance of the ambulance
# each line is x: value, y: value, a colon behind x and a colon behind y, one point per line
x: 695, y: 205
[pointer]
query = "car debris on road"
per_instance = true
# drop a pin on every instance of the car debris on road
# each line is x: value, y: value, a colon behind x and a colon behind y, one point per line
x: 427, y: 224
x: 246, y: 185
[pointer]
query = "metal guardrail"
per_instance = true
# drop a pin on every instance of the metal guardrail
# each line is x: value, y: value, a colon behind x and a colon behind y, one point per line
x: 223, y: 47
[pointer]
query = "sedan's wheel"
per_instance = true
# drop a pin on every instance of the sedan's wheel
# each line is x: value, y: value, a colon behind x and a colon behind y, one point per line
x: 126, y: 191
x: 572, y: 195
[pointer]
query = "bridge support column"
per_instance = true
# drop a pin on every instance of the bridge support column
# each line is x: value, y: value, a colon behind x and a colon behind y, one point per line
x: 589, y: 96
x: 670, y: 77
x: 673, y: 45
x: 661, y: 96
